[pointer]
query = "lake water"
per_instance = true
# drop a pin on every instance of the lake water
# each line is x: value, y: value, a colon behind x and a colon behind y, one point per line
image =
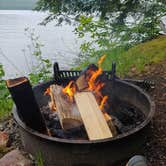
x: 60, y: 43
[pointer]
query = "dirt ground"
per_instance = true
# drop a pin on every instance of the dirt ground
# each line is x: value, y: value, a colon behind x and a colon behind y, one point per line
x: 155, y: 149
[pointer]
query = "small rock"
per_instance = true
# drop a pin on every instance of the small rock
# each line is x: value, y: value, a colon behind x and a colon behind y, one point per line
x: 1, y: 127
x: 133, y: 69
x: 4, y: 137
x: 163, y: 24
x: 14, y: 158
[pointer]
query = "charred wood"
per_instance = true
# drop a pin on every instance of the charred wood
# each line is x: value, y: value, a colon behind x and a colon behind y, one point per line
x: 27, y: 107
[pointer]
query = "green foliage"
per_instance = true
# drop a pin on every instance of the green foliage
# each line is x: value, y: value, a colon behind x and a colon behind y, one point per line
x: 105, y: 9
x: 136, y: 57
x: 99, y: 33
x: 106, y: 34
x: 39, y: 159
x: 108, y: 22
x: 41, y: 69
x: 5, y: 101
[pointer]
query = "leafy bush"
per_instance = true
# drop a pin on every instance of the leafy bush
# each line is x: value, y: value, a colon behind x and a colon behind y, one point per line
x: 41, y: 69
x: 110, y: 23
x: 106, y: 35
x: 5, y: 100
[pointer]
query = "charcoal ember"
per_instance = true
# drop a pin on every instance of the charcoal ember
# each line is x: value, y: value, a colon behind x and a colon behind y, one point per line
x: 54, y: 126
x: 118, y: 124
x: 55, y: 123
x: 91, y: 67
x: 131, y: 116
x: 120, y: 127
x: 58, y: 133
x: 51, y: 118
x: 45, y: 110
x: 74, y: 133
x: 125, y: 116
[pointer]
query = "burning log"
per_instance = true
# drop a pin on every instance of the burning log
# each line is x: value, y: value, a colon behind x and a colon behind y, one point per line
x: 27, y: 107
x: 93, y: 119
x: 68, y: 113
x: 66, y: 110
x: 82, y: 80
x: 92, y: 78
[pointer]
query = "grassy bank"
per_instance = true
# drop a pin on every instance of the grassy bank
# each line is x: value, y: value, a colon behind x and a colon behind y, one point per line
x: 5, y: 108
x: 135, y: 58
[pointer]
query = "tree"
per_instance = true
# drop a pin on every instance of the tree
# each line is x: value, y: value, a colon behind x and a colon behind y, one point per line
x: 105, y: 9
x: 127, y: 21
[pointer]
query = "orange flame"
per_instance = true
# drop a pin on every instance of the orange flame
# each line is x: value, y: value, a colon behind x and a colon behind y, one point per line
x: 100, y: 61
x: 95, y: 74
x: 52, y: 104
x: 69, y: 90
x: 98, y: 88
x: 91, y: 81
x: 47, y: 92
x: 103, y: 101
x: 93, y: 85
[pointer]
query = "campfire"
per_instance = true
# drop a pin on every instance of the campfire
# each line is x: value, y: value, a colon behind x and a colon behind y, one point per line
x: 82, y: 109
x: 85, y: 111
x: 82, y: 103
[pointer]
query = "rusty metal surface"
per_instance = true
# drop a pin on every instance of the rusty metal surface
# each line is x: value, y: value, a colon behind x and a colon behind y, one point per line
x: 110, y: 151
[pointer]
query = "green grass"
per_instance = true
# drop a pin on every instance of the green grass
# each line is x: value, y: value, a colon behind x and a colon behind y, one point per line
x: 136, y: 57
x: 5, y: 108
x: 39, y: 159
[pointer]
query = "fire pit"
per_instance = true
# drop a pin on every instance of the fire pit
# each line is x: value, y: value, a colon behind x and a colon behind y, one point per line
x: 110, y: 151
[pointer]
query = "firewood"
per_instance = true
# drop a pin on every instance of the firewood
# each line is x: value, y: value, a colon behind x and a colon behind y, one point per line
x: 93, y: 119
x: 67, y: 111
x: 110, y: 123
x: 82, y: 85
x: 27, y: 107
x: 81, y: 81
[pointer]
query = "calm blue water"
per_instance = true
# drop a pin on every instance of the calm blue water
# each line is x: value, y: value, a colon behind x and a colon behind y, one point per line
x: 60, y: 43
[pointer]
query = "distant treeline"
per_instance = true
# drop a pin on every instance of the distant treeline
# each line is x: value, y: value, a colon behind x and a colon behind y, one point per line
x: 17, y: 4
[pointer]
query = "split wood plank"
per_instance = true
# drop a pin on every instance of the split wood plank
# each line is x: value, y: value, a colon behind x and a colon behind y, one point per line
x: 92, y: 117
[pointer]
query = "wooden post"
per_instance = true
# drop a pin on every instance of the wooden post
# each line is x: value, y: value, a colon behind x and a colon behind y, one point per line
x: 27, y: 107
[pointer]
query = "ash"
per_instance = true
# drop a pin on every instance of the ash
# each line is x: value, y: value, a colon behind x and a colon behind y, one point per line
x: 54, y: 126
x: 125, y: 118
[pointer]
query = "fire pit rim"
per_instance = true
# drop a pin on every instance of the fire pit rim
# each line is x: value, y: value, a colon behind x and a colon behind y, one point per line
x: 70, y: 141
